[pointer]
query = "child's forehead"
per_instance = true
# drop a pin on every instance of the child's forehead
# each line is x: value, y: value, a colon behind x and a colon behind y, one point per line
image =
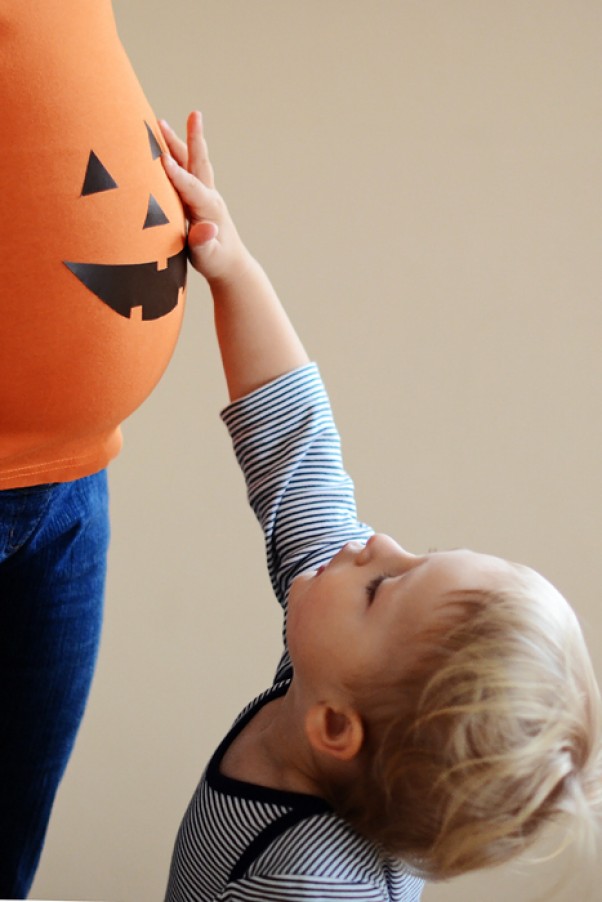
x: 471, y: 569
x: 463, y: 570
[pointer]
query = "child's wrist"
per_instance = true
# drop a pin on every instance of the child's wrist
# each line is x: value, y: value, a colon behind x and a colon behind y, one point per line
x: 241, y: 267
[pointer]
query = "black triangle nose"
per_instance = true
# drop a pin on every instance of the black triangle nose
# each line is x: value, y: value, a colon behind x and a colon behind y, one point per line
x: 154, y: 215
x: 97, y: 177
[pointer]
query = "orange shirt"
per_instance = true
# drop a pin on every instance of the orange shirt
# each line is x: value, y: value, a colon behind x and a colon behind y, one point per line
x: 92, y: 237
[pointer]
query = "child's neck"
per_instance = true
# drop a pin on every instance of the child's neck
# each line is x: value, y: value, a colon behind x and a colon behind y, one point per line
x: 272, y: 750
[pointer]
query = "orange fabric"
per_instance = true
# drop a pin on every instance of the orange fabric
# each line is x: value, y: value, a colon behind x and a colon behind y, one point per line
x: 81, y: 184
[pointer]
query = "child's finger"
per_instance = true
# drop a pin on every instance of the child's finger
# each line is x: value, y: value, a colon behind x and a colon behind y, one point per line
x: 177, y: 147
x: 193, y: 194
x: 198, y: 154
x: 202, y: 232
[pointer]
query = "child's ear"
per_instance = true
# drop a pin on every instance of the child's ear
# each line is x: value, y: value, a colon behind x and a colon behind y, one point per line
x: 338, y: 732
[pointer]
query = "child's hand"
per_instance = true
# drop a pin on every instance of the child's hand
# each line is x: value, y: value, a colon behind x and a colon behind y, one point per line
x: 215, y: 248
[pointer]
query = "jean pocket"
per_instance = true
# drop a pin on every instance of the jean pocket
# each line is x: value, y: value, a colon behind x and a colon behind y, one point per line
x: 21, y: 511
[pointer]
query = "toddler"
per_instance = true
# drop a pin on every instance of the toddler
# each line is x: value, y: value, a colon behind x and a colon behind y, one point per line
x: 430, y: 714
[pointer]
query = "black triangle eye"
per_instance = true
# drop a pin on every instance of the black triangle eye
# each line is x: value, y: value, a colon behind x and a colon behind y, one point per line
x: 154, y: 144
x: 97, y: 177
x: 154, y: 215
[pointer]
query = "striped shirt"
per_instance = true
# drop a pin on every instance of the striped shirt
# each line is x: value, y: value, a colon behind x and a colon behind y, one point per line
x: 239, y: 842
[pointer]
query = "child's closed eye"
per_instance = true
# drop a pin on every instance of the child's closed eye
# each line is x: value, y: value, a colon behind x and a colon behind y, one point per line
x: 372, y: 587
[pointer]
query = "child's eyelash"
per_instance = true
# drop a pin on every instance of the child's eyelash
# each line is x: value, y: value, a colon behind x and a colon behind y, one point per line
x: 373, y: 585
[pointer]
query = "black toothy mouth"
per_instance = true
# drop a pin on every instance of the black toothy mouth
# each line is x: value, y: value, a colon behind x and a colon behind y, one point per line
x: 127, y: 285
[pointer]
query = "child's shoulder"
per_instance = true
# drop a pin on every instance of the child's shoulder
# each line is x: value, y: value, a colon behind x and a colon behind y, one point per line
x: 324, y: 850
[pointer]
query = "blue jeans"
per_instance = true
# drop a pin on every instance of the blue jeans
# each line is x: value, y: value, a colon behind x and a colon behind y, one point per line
x: 53, y: 550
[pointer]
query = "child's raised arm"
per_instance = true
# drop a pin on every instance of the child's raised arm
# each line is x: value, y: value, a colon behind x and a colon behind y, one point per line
x: 257, y: 340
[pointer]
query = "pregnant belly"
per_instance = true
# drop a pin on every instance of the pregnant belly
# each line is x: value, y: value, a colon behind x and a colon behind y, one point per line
x: 93, y: 265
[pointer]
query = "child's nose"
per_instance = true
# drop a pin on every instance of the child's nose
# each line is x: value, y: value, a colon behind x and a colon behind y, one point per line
x: 381, y: 545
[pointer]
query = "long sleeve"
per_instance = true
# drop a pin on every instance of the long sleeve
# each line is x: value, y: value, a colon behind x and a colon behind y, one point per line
x: 288, y: 448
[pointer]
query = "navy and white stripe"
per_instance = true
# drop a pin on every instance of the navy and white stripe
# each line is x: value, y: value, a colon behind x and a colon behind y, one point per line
x: 289, y: 451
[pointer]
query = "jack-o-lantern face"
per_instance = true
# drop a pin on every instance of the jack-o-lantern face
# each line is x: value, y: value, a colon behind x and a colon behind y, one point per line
x: 124, y: 286
x: 93, y: 239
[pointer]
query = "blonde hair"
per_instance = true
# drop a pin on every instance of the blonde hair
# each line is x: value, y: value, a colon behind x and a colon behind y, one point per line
x: 492, y: 733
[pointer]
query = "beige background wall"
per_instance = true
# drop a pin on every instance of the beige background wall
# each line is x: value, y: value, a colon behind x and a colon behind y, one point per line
x: 422, y: 180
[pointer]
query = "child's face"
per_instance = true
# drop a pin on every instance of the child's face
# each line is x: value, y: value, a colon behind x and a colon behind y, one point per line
x: 358, y: 616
